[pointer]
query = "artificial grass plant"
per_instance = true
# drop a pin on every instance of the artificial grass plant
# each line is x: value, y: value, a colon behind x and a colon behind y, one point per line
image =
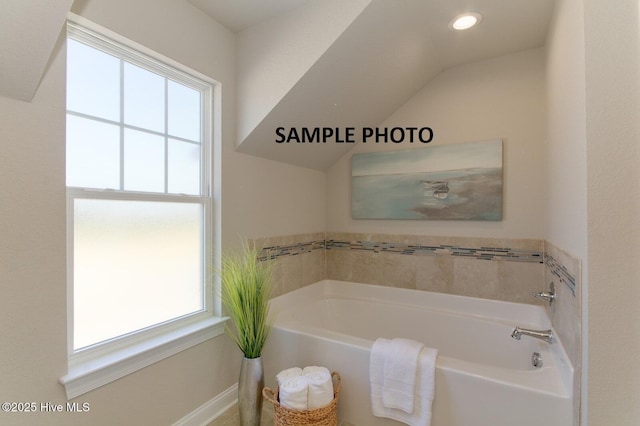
x: 245, y: 292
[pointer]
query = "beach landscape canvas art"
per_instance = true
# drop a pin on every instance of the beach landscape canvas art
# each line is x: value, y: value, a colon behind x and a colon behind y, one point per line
x: 447, y: 182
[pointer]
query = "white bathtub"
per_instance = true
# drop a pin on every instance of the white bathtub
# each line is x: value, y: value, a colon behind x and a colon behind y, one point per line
x: 483, y: 376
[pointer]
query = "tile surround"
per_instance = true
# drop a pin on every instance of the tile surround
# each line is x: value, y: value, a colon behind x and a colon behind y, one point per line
x: 561, y: 272
x: 566, y: 312
x: 480, y: 267
x: 501, y: 269
x: 272, y: 252
x: 299, y: 260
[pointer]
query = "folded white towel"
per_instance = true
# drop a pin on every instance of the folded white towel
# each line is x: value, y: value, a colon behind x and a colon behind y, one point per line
x: 427, y: 375
x: 425, y: 385
x: 293, y: 393
x: 377, y: 357
x: 320, y: 388
x: 400, y: 368
x: 282, y: 376
x: 315, y: 369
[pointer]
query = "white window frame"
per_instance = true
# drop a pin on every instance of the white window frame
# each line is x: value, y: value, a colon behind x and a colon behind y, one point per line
x: 102, y: 363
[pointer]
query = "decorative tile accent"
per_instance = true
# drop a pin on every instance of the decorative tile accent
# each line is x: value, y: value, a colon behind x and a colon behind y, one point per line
x: 348, y: 256
x: 274, y: 252
x: 566, y: 311
x: 561, y: 272
x: 480, y: 253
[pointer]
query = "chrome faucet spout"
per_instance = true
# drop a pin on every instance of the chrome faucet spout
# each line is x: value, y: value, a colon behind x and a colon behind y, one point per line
x: 545, y: 335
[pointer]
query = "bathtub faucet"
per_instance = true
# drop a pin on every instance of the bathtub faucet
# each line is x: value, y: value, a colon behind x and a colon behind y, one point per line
x: 538, y: 334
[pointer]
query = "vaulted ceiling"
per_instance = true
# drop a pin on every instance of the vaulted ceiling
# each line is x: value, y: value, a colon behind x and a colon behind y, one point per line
x: 29, y: 30
x: 309, y: 63
x: 318, y: 63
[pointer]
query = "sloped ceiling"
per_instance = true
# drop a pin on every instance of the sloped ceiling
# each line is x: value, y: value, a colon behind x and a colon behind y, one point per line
x: 367, y: 63
x: 274, y: 56
x: 362, y: 78
x: 238, y: 15
x: 388, y: 52
x: 29, y: 30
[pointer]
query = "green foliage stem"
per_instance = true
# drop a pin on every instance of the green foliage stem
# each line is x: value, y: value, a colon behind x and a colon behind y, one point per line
x: 245, y: 293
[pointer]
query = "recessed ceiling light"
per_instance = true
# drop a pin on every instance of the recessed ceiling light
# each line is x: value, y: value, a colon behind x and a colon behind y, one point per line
x: 465, y: 21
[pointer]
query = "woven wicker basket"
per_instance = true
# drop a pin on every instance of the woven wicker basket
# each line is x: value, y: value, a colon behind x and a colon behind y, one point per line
x: 324, y: 416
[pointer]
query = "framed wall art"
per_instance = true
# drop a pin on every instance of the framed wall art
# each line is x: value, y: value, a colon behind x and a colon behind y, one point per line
x: 446, y: 182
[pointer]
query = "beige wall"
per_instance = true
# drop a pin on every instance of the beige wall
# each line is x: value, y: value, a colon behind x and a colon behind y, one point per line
x: 566, y: 206
x: 612, y: 54
x: 32, y: 245
x: 593, y: 153
x: 261, y: 198
x: 264, y: 198
x: 566, y: 116
x: 499, y: 98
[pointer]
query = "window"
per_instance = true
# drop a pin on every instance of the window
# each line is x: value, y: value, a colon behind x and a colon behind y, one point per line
x: 138, y: 191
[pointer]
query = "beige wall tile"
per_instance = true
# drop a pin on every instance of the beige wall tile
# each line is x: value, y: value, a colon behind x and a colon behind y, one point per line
x: 434, y: 273
x: 338, y: 265
x: 277, y: 279
x: 517, y: 281
x: 566, y: 313
x: 564, y: 258
x: 291, y: 273
x: 476, y: 278
x: 398, y: 270
x: 367, y: 267
x: 313, y: 267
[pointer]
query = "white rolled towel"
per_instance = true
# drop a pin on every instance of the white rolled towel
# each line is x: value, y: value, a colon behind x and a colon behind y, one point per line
x: 315, y: 369
x: 320, y: 386
x: 294, y: 392
x: 282, y: 376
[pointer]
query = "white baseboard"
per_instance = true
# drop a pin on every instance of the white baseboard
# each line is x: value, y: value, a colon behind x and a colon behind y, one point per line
x: 210, y: 410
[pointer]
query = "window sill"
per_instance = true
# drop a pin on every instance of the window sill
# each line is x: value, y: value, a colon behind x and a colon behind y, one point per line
x: 99, y: 371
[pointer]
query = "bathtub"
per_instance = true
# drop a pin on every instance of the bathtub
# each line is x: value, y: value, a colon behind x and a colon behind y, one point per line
x: 483, y: 376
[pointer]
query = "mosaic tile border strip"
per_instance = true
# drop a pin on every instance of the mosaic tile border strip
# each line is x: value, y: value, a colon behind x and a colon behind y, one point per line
x: 561, y: 272
x: 481, y: 253
x: 274, y: 252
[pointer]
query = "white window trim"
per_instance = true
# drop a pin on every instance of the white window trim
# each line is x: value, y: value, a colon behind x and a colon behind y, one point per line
x: 90, y: 374
x: 92, y: 367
